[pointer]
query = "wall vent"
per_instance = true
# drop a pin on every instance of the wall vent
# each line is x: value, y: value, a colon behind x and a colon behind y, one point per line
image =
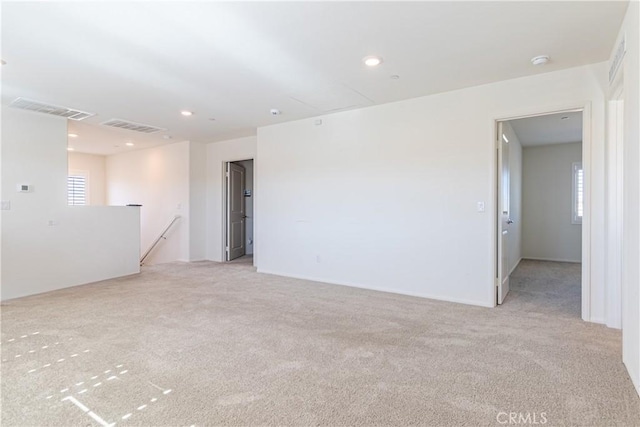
x: 136, y: 127
x: 56, y: 110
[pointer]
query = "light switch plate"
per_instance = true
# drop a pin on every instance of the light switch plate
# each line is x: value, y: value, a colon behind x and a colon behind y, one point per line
x: 5, y: 205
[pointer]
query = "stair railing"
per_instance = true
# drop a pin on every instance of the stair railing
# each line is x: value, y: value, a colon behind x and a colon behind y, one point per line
x: 160, y: 237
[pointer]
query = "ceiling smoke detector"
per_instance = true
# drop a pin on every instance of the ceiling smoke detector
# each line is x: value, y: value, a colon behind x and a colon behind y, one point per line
x: 540, y: 60
x: 275, y: 112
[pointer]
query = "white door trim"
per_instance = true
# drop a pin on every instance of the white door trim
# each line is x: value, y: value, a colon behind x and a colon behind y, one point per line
x: 615, y: 204
x: 585, y: 107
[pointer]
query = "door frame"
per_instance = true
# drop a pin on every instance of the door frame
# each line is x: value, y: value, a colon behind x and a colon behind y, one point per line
x: 585, y: 108
x: 225, y: 201
x: 614, y: 199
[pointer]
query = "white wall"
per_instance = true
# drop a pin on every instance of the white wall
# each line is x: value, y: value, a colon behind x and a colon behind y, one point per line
x: 548, y: 232
x: 197, y: 201
x: 631, y: 196
x: 515, y: 196
x: 248, y: 166
x: 158, y: 179
x: 385, y: 197
x: 46, y: 244
x: 217, y: 154
x: 94, y: 165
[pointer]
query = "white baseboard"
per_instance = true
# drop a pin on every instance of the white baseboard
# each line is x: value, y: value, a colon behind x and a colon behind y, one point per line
x: 553, y: 259
x: 387, y: 290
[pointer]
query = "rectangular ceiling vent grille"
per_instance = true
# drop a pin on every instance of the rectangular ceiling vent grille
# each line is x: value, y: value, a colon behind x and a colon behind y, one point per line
x: 136, y: 127
x: 56, y: 110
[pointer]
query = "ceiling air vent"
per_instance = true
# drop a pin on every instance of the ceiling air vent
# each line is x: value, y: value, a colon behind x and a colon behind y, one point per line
x: 136, y: 127
x: 56, y: 110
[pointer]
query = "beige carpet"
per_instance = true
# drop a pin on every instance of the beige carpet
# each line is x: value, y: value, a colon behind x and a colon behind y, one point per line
x: 214, y: 344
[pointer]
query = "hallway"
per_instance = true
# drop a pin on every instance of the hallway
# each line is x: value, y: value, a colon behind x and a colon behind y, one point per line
x: 545, y: 288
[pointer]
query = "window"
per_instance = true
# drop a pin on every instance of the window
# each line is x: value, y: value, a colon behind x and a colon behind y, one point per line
x: 578, y: 194
x: 77, y: 188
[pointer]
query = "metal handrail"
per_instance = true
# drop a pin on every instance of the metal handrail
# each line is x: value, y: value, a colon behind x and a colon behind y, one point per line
x: 162, y: 236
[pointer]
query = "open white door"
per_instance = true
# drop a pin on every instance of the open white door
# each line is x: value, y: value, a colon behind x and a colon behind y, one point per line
x: 503, y: 215
x: 235, y: 211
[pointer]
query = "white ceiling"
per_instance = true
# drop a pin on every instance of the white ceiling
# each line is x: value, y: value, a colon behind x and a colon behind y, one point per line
x: 557, y: 128
x: 103, y: 140
x: 234, y: 61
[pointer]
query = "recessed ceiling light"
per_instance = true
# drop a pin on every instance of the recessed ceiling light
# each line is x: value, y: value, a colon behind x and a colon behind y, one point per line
x: 540, y: 60
x: 70, y: 149
x: 186, y: 113
x: 167, y: 136
x: 372, y: 61
x: 129, y: 144
x: 564, y: 118
x: 72, y: 135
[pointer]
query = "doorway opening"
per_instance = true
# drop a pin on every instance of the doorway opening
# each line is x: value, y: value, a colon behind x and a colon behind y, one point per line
x: 239, y: 211
x: 542, y: 201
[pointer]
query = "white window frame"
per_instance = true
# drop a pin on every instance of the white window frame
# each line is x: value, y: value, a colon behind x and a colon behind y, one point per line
x: 577, y: 194
x: 85, y: 175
